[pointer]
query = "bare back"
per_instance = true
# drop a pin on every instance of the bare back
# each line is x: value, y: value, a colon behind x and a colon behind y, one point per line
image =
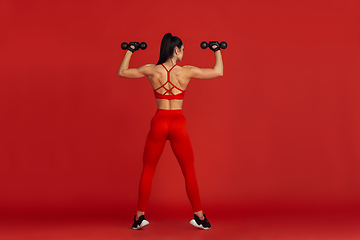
x: 179, y: 78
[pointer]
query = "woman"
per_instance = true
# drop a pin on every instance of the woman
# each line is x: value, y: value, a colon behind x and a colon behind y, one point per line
x: 169, y: 82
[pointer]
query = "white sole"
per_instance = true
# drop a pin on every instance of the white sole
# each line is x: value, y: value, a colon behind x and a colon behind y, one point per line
x: 193, y: 223
x: 143, y: 224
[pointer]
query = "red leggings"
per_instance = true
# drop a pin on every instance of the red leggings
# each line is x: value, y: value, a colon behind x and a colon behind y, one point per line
x: 168, y: 125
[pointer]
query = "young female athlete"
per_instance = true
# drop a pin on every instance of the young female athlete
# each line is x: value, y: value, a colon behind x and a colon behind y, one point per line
x: 169, y: 82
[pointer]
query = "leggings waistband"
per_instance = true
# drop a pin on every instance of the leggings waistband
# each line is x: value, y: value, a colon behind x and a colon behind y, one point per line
x: 166, y: 111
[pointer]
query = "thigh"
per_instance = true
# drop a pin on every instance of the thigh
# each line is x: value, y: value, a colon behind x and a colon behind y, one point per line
x: 181, y: 144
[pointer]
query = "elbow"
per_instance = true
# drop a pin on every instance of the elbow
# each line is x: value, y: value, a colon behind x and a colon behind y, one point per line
x: 120, y: 74
x: 218, y: 72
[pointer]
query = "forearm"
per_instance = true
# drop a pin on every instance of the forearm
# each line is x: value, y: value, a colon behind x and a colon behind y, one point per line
x: 218, y: 66
x: 125, y: 62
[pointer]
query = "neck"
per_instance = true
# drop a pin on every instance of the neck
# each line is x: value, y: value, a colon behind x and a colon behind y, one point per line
x: 170, y: 62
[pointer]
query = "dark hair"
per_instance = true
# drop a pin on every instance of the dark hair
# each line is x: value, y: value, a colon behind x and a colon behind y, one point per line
x: 168, y: 44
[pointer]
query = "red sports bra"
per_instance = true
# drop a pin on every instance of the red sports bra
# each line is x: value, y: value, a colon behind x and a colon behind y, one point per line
x: 171, y: 95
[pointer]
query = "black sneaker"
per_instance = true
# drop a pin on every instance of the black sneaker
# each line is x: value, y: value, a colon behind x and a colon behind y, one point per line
x: 140, y: 223
x: 203, y: 224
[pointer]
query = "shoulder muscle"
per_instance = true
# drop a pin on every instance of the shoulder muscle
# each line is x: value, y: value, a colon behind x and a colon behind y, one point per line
x: 147, y: 69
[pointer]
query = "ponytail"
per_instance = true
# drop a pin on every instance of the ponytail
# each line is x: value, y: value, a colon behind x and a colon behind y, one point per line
x: 168, y: 44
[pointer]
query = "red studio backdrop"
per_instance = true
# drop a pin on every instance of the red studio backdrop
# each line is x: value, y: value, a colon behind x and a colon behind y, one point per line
x: 280, y: 131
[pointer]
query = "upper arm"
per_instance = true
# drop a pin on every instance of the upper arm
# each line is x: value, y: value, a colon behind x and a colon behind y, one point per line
x: 146, y: 70
x: 202, y: 73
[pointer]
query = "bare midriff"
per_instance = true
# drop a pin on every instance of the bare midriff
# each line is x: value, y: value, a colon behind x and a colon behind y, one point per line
x: 169, y: 104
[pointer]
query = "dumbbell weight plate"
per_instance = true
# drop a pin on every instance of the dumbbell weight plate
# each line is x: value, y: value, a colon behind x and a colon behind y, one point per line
x: 143, y: 45
x: 124, y: 46
x: 204, y: 45
x: 223, y: 45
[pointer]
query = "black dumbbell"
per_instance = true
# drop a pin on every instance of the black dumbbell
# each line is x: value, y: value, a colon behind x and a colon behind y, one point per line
x: 204, y: 45
x: 142, y: 45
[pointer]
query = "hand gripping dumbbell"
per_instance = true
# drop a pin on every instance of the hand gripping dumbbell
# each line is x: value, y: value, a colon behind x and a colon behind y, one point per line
x: 222, y: 45
x: 136, y: 45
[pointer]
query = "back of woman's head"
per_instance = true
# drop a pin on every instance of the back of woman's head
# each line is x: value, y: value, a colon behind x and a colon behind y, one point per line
x: 168, y: 44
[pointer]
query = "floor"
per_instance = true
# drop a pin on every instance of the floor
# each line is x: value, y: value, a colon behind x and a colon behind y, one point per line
x: 249, y: 227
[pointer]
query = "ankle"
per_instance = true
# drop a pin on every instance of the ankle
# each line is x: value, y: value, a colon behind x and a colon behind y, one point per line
x: 138, y: 215
x: 200, y: 215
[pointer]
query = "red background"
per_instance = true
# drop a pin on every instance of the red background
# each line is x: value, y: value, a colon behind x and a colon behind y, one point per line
x: 280, y: 131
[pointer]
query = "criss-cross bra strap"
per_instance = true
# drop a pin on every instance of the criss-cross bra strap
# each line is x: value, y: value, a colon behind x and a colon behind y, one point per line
x: 168, y: 81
